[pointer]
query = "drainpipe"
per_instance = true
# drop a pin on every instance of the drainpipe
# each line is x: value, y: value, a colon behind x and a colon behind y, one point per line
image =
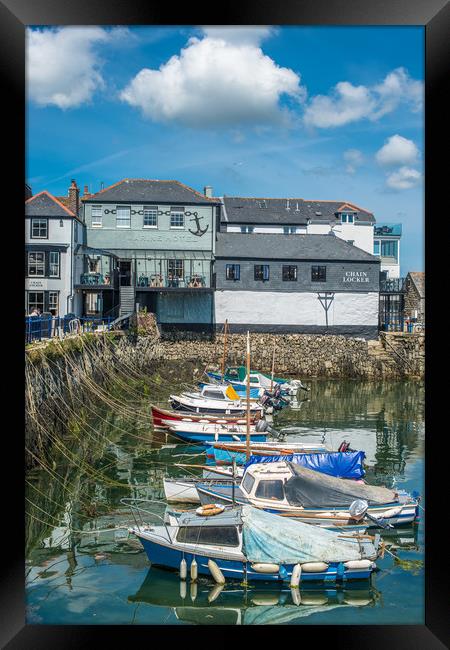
x: 70, y: 296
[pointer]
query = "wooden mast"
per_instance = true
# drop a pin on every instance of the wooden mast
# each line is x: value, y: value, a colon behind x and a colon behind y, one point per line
x: 247, y: 448
x: 225, y: 330
x: 273, y: 367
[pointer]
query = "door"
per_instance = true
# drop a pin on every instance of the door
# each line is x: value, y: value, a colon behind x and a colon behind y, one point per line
x: 124, y: 273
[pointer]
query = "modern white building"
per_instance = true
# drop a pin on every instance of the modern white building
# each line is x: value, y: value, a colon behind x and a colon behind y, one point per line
x: 386, y: 245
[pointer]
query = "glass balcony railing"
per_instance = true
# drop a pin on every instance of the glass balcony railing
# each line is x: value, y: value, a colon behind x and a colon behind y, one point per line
x: 195, y: 281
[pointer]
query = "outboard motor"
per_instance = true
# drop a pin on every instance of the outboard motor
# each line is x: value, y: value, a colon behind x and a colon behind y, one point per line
x: 261, y: 425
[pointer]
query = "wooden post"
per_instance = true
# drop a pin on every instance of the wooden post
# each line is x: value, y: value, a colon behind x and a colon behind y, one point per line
x: 247, y: 449
x: 273, y: 367
x: 225, y: 330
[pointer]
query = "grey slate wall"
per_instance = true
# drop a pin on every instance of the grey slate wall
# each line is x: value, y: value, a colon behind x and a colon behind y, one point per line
x: 338, y: 276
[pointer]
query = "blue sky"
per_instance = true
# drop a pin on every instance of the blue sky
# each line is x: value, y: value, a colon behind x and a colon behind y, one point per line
x: 313, y: 112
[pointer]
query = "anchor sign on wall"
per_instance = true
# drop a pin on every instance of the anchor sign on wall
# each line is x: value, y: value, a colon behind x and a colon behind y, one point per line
x: 200, y: 231
x: 325, y: 300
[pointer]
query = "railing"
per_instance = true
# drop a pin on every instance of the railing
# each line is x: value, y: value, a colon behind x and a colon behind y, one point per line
x: 194, y: 281
x: 393, y: 285
x: 38, y: 328
x: 96, y: 279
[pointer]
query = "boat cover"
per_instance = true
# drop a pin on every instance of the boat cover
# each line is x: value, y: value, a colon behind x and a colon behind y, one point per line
x: 274, y: 539
x: 346, y: 464
x: 311, y: 489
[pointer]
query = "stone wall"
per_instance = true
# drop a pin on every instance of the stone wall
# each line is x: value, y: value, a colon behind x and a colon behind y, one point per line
x: 310, y: 356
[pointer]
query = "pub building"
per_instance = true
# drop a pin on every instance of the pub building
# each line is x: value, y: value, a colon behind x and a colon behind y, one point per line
x: 311, y: 284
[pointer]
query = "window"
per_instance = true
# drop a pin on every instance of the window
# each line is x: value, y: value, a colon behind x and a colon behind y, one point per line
x: 217, y: 535
x: 376, y: 247
x: 39, y: 229
x: 176, y: 217
x: 96, y: 216
x: 247, y: 229
x: 175, y: 269
x: 75, y: 232
x: 213, y: 394
x: 233, y: 271
x: 35, y: 301
x: 261, y: 272
x: 93, y: 304
x: 289, y: 273
x: 350, y: 241
x: 53, y: 302
x: 389, y: 249
x: 54, y: 264
x: 289, y: 230
x: 36, y: 264
x: 346, y: 217
x: 123, y: 216
x: 151, y: 217
x: 248, y: 482
x: 270, y: 490
x: 318, y: 274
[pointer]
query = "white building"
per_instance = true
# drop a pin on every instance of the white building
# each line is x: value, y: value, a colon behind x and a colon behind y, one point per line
x: 53, y: 235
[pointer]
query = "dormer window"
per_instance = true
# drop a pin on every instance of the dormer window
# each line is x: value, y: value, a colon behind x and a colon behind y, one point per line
x: 347, y: 217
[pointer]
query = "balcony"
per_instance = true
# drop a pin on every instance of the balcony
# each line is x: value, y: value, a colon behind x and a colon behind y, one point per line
x: 393, y: 285
x: 188, y: 274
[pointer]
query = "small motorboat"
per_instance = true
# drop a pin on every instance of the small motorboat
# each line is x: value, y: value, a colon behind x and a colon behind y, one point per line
x: 248, y: 544
x: 237, y: 377
x: 215, y: 400
x: 220, y: 430
x: 296, y: 491
x: 225, y: 453
x: 340, y: 464
x: 162, y: 418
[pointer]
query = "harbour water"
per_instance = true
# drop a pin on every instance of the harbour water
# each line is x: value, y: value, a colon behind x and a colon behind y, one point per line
x: 83, y: 568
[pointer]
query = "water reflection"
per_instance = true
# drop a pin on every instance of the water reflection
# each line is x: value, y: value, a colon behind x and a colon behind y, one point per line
x: 231, y: 604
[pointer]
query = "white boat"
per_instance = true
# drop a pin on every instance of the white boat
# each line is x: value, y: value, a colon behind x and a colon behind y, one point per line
x: 214, y: 400
x: 183, y: 490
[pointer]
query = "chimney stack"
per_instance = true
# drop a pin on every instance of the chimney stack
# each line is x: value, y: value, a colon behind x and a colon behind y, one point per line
x: 74, y: 197
x: 208, y: 191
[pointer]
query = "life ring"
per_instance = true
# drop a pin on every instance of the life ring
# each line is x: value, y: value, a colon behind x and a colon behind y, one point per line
x: 210, y: 509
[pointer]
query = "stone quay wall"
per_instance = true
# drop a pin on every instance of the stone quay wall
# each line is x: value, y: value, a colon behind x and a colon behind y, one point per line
x: 393, y: 356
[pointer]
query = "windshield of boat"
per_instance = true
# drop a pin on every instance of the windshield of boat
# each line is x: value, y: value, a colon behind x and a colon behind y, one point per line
x: 217, y: 535
x: 213, y: 394
x: 270, y: 490
x: 248, y: 483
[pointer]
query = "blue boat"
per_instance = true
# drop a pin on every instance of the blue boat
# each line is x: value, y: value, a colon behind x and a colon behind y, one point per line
x: 207, y: 432
x: 248, y: 544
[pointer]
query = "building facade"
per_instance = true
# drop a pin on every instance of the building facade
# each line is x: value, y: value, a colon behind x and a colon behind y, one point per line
x: 162, y: 237
x: 310, y: 284
x: 53, y: 233
x: 386, y: 246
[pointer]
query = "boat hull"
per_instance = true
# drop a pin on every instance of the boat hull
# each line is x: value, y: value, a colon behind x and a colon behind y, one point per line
x: 161, y: 416
x: 240, y: 412
x: 216, y: 437
x: 170, y: 557
x: 407, y: 513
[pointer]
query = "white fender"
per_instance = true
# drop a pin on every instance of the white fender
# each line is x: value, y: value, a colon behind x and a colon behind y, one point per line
x: 314, y: 599
x: 183, y: 590
x: 194, y: 570
x: 393, y: 512
x: 264, y: 567
x: 266, y: 600
x: 216, y: 572
x: 193, y: 591
x: 357, y: 602
x: 314, y: 567
x: 183, y: 569
x: 214, y: 593
x: 296, y: 598
x: 358, y: 564
x: 296, y: 575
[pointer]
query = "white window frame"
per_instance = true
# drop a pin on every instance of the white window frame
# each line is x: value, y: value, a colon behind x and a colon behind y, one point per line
x: 97, y: 219
x: 176, y: 211
x: 50, y: 263
x: 33, y: 236
x: 55, y: 305
x: 349, y: 217
x: 35, y: 263
x: 152, y: 209
x: 123, y: 207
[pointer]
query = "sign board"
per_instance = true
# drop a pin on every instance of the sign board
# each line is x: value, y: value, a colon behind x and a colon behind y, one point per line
x: 355, y: 276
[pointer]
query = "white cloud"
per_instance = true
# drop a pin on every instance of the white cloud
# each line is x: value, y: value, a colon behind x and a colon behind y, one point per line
x: 348, y: 103
x: 403, y: 179
x: 354, y: 159
x: 397, y: 151
x: 63, y: 66
x: 223, y: 78
x: 239, y: 34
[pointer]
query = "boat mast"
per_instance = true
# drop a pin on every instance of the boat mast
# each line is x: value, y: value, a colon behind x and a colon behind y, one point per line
x: 273, y: 367
x: 247, y: 448
x: 225, y: 330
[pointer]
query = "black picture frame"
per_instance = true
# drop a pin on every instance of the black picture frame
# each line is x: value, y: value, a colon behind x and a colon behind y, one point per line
x: 434, y: 16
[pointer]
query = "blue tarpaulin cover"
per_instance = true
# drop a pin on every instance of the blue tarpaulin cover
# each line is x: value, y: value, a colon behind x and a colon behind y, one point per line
x: 341, y: 464
x: 271, y: 538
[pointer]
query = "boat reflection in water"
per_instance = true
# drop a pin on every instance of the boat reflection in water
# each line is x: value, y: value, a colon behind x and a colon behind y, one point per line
x: 205, y: 603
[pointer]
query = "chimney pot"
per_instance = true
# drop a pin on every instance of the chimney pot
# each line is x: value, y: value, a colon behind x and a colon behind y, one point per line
x: 208, y: 191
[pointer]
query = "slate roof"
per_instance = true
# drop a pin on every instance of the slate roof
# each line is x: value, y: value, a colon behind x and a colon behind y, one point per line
x: 46, y: 205
x: 289, y: 247
x: 274, y: 211
x: 138, y: 190
x: 418, y: 279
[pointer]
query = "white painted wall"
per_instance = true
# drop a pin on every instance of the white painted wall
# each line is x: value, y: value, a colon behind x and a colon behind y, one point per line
x: 269, y: 230
x: 362, y: 235
x: 279, y: 308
